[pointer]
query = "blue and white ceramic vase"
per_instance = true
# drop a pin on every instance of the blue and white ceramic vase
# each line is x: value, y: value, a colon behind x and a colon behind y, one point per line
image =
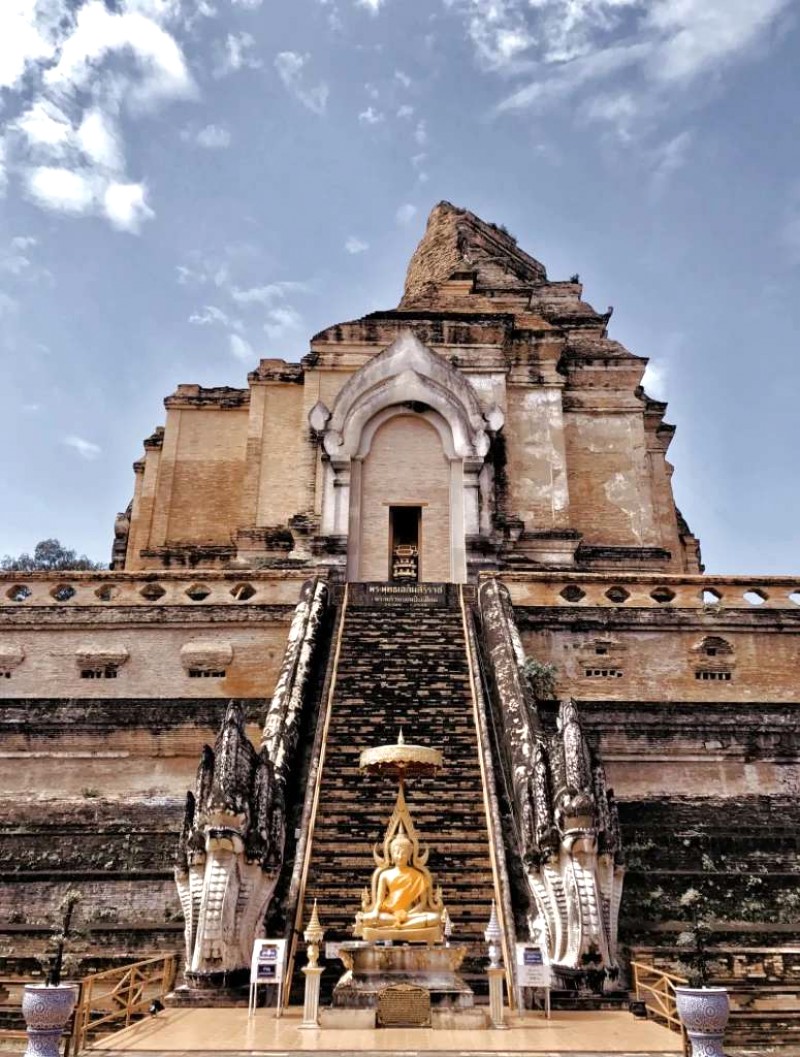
x: 704, y: 1012
x: 46, y: 1011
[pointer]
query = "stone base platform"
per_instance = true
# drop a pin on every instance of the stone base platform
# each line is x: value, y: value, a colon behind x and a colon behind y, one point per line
x: 207, y: 1032
x: 475, y: 1019
x: 371, y: 968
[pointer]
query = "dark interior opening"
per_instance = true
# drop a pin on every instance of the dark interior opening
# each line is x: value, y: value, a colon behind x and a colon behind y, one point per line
x: 404, y: 526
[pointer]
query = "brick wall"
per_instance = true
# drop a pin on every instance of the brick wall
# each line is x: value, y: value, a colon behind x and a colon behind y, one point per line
x: 406, y: 465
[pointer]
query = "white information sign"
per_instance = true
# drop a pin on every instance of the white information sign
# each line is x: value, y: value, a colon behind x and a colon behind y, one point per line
x: 533, y: 971
x: 266, y: 967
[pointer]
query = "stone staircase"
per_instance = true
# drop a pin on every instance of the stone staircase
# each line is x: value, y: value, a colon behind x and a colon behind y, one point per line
x: 406, y: 667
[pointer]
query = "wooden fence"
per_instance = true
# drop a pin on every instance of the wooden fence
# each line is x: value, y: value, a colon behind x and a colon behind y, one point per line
x: 111, y: 1000
x: 656, y: 989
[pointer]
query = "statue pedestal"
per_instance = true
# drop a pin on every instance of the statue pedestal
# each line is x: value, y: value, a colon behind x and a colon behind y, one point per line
x: 372, y: 968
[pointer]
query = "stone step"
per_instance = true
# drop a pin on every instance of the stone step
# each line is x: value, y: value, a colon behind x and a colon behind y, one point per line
x: 399, y: 669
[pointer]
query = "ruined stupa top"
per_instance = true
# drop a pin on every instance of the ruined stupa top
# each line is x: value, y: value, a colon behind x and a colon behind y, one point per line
x: 458, y: 244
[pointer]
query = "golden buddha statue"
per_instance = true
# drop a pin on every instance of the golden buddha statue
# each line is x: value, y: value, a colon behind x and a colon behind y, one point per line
x: 402, y: 902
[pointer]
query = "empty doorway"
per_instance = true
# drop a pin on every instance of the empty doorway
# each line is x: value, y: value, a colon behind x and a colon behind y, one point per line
x: 404, y: 543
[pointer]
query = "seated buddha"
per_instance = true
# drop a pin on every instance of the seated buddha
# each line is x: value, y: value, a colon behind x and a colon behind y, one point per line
x: 403, y: 905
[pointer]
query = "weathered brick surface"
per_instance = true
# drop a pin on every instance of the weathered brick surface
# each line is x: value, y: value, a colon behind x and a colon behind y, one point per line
x: 405, y: 466
x: 106, y: 827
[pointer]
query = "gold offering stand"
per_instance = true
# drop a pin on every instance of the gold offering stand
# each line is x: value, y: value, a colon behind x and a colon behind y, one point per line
x: 401, y: 971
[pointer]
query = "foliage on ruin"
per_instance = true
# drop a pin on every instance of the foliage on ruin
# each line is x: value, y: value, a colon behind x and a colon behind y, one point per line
x: 541, y: 679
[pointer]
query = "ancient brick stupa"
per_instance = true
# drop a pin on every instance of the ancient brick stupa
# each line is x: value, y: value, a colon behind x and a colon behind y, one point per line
x: 454, y: 517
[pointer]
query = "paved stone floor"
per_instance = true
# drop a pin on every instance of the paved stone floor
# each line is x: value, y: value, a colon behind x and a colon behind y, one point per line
x: 208, y: 1032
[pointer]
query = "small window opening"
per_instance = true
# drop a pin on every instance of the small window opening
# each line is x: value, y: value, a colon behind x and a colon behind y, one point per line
x: 106, y: 671
x: 206, y: 673
x: 713, y: 677
x: 603, y: 673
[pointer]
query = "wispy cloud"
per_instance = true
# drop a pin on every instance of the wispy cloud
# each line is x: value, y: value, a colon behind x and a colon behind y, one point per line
x: 405, y: 214
x: 356, y: 245
x: 83, y: 68
x: 668, y: 158
x: 85, y: 448
x: 266, y: 295
x: 240, y: 348
x: 370, y: 116
x: 292, y: 70
x: 281, y: 322
x: 236, y: 52
x: 556, y: 49
x: 213, y: 137
x: 371, y: 5
x: 208, y: 315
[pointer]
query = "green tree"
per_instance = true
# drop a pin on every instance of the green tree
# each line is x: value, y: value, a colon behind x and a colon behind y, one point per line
x: 48, y: 556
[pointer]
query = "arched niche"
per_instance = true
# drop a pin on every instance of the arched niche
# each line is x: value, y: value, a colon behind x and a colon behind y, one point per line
x: 404, y: 387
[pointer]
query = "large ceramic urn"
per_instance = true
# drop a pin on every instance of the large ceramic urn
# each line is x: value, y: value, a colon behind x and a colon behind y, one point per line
x: 704, y: 1012
x: 46, y: 1010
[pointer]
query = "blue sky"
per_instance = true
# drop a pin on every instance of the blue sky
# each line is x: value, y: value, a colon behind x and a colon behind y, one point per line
x: 190, y: 185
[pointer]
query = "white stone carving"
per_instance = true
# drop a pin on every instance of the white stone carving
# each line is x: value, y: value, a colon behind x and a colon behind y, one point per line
x: 565, y: 815
x: 231, y: 849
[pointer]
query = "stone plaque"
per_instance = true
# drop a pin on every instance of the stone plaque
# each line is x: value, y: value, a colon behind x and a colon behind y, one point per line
x: 404, y: 1006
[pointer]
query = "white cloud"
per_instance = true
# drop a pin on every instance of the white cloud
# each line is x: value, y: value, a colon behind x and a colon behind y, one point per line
x: 61, y: 189
x: 14, y: 259
x: 266, y: 295
x: 370, y: 116
x: 656, y: 45
x: 97, y: 139
x: 210, y: 314
x: 405, y: 214
x: 372, y: 5
x: 240, y: 348
x: 291, y: 67
x: 84, y: 63
x: 405, y: 111
x: 654, y: 379
x: 356, y: 245
x: 498, y: 29
x: 85, y: 448
x: 282, y: 321
x: 21, y: 40
x: 45, y: 125
x: 249, y: 5
x: 403, y: 78
x: 697, y: 35
x: 237, y: 54
x: 421, y: 133
x: 99, y: 33
x: 668, y: 158
x: 563, y: 79
x: 213, y: 137
x: 125, y: 206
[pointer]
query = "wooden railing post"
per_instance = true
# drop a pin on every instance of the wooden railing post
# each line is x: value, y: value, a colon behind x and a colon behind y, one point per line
x: 113, y: 999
